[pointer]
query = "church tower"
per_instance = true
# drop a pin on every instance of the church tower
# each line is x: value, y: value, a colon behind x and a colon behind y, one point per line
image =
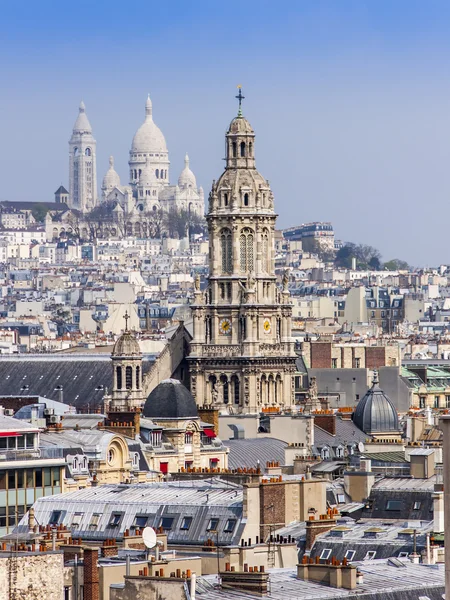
x: 126, y: 358
x: 82, y: 164
x: 242, y: 354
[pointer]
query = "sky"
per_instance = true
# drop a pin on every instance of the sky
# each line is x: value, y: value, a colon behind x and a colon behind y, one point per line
x: 350, y: 102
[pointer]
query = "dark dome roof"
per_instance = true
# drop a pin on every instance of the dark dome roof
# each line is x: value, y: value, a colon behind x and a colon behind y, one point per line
x: 375, y: 412
x: 126, y: 345
x: 170, y: 400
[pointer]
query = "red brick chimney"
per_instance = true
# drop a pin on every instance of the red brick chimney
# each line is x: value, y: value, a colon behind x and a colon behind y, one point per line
x: 90, y: 574
x: 327, y: 422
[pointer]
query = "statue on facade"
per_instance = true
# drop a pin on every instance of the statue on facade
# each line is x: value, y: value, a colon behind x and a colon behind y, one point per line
x: 197, y: 283
x: 286, y: 281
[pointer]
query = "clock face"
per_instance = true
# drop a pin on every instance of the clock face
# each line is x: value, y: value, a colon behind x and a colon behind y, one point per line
x: 225, y: 326
x: 267, y: 326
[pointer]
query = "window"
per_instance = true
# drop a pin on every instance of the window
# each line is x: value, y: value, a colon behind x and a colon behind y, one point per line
x: 55, y: 517
x: 246, y: 250
x: 140, y: 521
x: 227, y: 251
x: 166, y: 523
x: 394, y: 505
x: 325, y: 554
x: 115, y: 519
x: 325, y: 453
x: 350, y: 554
x: 242, y: 149
x: 422, y: 402
x: 119, y: 377
x: 370, y: 555
x: 186, y: 523
x: 229, y: 526
x: 436, y: 402
x: 341, y: 498
x: 339, y: 452
x: 76, y: 520
x: 417, y: 505
x: 245, y: 199
x: 94, y: 521
x: 357, y: 363
x: 129, y: 378
x: 403, y: 555
x: 212, y: 525
x: 234, y: 149
x: 188, y: 437
x: 334, y: 363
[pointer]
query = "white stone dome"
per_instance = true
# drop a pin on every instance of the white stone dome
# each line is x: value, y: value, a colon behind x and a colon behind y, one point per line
x: 111, y: 179
x: 82, y: 124
x: 187, y: 177
x: 148, y: 139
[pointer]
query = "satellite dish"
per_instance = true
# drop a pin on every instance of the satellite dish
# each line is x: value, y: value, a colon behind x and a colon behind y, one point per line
x: 360, y: 448
x: 149, y: 537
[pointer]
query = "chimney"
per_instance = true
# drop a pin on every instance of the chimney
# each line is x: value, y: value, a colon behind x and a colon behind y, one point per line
x: 438, y: 512
x: 90, y: 574
x: 421, y: 463
x: 315, y: 527
x: 358, y: 484
x: 327, y: 422
x: 252, y: 581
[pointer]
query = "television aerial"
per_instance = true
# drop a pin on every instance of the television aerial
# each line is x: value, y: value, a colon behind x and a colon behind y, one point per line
x: 149, y: 537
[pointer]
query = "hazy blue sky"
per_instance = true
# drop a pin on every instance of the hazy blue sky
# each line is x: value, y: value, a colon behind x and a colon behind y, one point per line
x: 350, y: 102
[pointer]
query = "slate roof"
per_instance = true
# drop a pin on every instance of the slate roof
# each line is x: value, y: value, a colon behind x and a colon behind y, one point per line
x: 385, y: 539
x: 252, y: 452
x: 347, y: 434
x: 79, y: 376
x: 382, y: 581
x: 199, y: 499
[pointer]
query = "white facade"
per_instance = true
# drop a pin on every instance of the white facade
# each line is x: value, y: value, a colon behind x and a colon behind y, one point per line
x: 149, y: 189
x: 82, y: 164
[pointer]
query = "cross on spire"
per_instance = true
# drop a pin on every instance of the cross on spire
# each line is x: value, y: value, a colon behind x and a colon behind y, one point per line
x: 126, y: 316
x: 240, y: 97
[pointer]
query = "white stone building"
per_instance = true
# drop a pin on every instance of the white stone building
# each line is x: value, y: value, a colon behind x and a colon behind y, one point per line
x: 149, y: 188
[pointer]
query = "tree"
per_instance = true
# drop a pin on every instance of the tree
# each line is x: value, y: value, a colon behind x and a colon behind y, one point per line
x: 39, y: 212
x: 344, y: 256
x: 396, y: 265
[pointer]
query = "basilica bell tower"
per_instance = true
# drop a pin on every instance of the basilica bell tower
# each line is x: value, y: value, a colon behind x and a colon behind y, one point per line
x: 241, y: 357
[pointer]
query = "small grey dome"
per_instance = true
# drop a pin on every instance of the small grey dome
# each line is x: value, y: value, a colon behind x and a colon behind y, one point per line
x: 126, y: 345
x: 170, y: 400
x: 375, y: 412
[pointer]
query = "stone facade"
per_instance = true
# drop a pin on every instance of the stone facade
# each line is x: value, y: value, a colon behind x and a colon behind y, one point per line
x: 82, y: 164
x: 31, y: 576
x: 242, y: 356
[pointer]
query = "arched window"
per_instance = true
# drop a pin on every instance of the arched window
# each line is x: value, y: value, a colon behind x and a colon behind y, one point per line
x: 245, y: 199
x: 234, y: 149
x: 135, y: 174
x: 87, y: 152
x: 157, y: 173
x: 242, y: 149
x: 119, y: 378
x: 225, y: 388
x: 140, y: 172
x: 227, y: 251
x: 225, y: 199
x: 265, y: 250
x: 246, y: 243
x: 138, y: 378
x: 75, y: 151
x: 129, y: 378
x: 235, y: 389
x: 250, y: 148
